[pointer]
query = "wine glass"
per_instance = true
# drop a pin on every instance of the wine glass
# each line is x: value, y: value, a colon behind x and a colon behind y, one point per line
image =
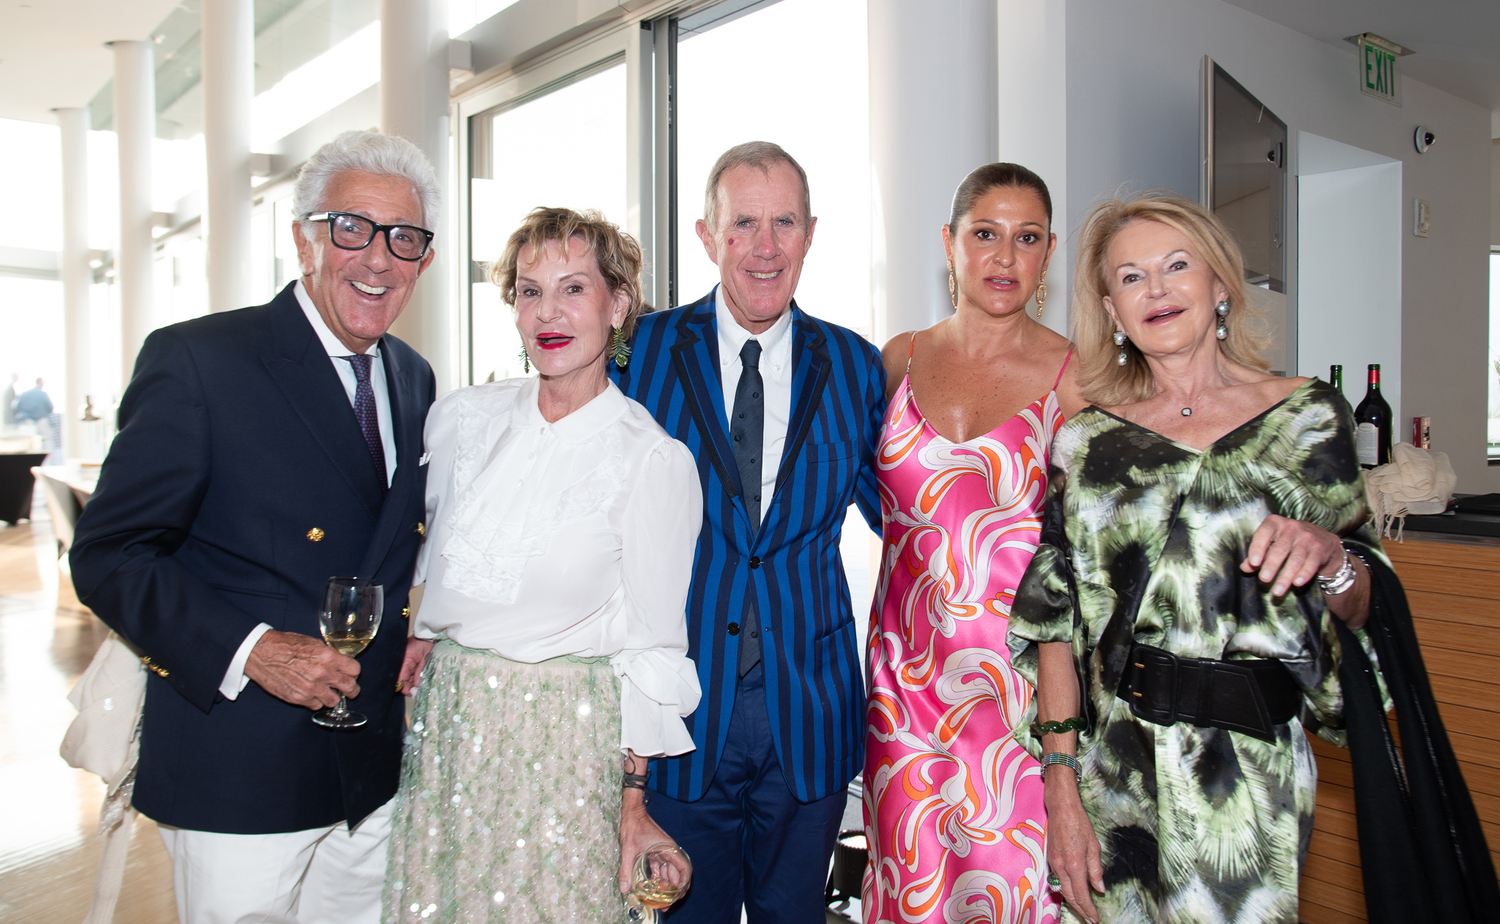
x: 662, y: 873
x: 349, y: 618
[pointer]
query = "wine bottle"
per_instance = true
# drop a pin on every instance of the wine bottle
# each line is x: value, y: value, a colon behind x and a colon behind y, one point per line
x: 1373, y: 424
x: 1336, y: 379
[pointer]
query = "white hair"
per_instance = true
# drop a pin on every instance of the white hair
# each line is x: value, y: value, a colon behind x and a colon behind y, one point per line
x: 368, y: 152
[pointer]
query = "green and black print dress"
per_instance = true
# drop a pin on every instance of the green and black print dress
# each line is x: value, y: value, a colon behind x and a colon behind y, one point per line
x: 1197, y: 824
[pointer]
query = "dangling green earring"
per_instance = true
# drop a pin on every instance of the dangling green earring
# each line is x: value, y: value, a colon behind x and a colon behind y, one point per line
x: 618, y: 348
x: 525, y: 362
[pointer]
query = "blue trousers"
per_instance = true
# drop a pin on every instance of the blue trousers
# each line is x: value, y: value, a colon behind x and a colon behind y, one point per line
x: 750, y: 840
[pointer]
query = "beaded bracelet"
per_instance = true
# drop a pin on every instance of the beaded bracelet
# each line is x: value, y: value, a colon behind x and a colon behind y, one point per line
x: 1077, y: 723
x: 1067, y: 760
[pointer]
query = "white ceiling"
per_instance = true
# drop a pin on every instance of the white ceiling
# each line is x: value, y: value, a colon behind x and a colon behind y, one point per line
x: 1456, y: 42
x: 52, y: 52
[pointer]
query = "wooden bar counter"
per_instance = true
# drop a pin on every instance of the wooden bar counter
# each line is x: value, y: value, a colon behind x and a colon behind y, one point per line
x: 1453, y: 587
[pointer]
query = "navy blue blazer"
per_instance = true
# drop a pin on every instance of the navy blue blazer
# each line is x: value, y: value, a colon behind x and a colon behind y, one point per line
x: 791, y: 566
x: 237, y: 441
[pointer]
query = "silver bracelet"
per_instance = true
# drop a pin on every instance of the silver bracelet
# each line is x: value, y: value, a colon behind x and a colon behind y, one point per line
x: 1342, y: 579
x: 1067, y: 760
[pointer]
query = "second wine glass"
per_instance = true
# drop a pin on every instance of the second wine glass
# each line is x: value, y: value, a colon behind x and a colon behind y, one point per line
x: 349, y: 619
x: 662, y: 873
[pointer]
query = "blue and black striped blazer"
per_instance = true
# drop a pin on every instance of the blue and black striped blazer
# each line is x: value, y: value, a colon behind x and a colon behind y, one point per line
x: 791, y: 568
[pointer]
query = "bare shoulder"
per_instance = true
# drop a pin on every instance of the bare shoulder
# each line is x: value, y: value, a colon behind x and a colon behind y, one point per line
x: 1069, y: 388
x: 1273, y: 389
x: 894, y: 356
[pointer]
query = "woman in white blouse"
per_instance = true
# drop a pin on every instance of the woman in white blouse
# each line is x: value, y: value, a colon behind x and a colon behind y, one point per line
x: 562, y: 522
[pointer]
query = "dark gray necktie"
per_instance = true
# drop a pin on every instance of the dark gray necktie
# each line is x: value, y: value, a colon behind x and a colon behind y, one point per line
x: 747, y: 427
x: 364, y: 412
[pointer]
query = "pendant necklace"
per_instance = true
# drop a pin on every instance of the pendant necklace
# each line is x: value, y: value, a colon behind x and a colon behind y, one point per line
x: 1186, y: 409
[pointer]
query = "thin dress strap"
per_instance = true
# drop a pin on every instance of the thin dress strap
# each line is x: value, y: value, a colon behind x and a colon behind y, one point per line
x: 911, y: 348
x: 1059, y: 372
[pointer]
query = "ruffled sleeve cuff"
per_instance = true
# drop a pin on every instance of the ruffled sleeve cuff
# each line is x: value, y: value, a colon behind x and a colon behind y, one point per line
x: 657, y: 689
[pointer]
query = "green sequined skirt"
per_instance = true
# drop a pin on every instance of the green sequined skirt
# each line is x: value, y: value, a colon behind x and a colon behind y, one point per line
x: 509, y: 806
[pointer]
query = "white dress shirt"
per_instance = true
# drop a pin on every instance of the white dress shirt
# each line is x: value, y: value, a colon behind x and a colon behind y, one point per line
x: 776, y: 373
x: 345, y: 369
x: 234, y: 677
x: 574, y: 537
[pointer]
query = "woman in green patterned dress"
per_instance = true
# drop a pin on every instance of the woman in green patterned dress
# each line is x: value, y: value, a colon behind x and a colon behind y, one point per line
x: 1188, y: 515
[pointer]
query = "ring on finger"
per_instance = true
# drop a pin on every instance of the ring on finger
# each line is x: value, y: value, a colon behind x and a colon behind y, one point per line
x: 1054, y: 882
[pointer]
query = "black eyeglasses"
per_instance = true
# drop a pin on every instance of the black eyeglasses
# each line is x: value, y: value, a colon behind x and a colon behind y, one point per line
x: 355, y: 232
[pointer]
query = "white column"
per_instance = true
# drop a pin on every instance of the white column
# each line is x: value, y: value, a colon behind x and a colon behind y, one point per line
x: 640, y: 186
x: 933, y: 119
x: 1032, y: 43
x: 76, y: 277
x: 135, y: 127
x: 414, y: 105
x: 228, y: 87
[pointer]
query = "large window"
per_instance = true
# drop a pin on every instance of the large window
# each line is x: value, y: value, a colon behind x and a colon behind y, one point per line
x: 560, y: 133
x: 752, y: 79
x: 563, y: 148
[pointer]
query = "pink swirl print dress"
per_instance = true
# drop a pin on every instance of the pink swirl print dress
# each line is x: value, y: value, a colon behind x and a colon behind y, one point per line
x: 953, y: 805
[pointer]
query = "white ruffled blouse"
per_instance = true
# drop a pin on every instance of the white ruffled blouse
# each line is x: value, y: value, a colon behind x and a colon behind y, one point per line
x: 567, y: 538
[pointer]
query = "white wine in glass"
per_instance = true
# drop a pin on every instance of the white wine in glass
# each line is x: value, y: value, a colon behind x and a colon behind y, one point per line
x: 662, y: 873
x: 349, y: 619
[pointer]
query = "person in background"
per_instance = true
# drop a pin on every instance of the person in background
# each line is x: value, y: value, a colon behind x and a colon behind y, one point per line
x: 781, y: 412
x: 953, y: 803
x: 33, y: 404
x: 1205, y: 527
x: 260, y: 453
x: 551, y: 640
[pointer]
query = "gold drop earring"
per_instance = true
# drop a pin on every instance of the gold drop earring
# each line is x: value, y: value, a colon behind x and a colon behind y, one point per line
x: 1041, y: 294
x: 952, y: 286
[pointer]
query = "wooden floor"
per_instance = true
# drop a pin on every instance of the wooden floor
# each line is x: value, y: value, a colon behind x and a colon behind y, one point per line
x: 49, y: 845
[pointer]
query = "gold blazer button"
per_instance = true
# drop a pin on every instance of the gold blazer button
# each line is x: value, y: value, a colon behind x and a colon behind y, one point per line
x: 421, y: 529
x: 315, y: 535
x: 405, y: 614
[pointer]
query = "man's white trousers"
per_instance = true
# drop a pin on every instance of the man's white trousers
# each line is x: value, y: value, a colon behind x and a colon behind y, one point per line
x: 319, y: 876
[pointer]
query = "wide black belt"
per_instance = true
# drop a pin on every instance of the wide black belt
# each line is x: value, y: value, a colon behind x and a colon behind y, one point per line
x: 1244, y: 696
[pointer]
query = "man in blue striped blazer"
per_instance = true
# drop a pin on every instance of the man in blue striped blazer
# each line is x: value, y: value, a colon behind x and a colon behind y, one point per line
x: 782, y: 412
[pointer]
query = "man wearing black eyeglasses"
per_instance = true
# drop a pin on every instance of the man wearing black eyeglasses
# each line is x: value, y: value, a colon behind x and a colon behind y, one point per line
x: 260, y: 453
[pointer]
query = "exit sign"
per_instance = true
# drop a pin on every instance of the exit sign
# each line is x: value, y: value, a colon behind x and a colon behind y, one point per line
x: 1376, y: 67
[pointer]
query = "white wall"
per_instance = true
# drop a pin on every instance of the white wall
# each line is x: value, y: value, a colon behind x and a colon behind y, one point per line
x: 1033, y: 80
x: 1132, y: 101
x: 1349, y: 306
x: 932, y: 122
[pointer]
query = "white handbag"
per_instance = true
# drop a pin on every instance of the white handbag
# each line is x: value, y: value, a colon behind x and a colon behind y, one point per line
x: 105, y: 740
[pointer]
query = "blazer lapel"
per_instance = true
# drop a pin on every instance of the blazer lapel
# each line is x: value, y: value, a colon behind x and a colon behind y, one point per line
x: 300, y: 367
x: 406, y: 421
x: 810, y: 367
x: 696, y: 358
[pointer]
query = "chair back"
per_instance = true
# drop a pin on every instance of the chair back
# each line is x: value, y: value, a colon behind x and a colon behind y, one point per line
x: 62, y: 506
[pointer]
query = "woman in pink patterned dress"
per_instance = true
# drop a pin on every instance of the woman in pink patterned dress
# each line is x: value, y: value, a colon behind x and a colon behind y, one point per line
x: 953, y: 805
